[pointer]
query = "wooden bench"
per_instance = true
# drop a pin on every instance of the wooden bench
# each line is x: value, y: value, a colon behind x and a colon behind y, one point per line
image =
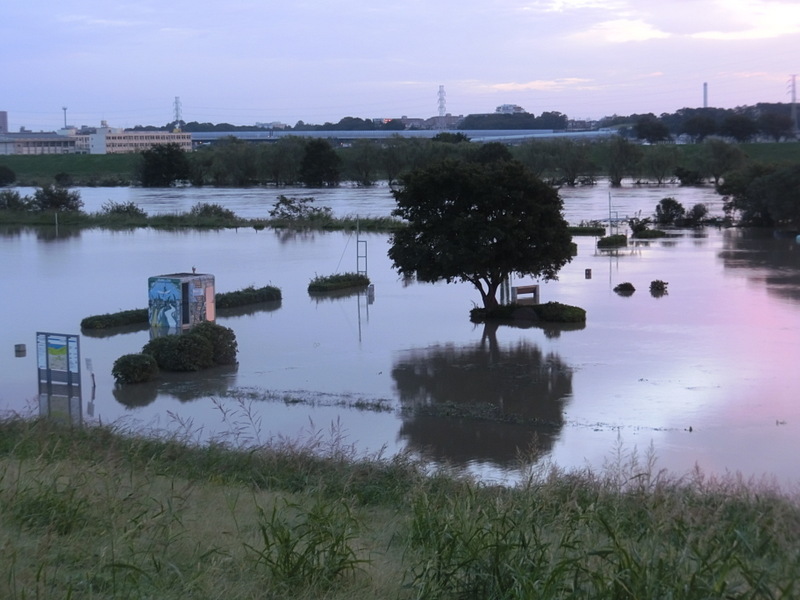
x: 525, y: 289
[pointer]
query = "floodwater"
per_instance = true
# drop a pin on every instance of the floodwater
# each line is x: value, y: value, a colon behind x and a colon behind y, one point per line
x: 705, y: 375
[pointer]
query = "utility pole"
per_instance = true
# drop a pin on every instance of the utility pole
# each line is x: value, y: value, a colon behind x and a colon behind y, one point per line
x: 177, y: 114
x: 793, y: 85
x: 442, y: 106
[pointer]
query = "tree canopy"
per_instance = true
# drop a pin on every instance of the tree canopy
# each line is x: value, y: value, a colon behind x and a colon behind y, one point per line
x: 479, y: 223
x: 163, y: 165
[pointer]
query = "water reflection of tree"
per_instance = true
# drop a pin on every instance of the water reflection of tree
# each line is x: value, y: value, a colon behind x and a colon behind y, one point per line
x: 769, y: 258
x: 482, y: 402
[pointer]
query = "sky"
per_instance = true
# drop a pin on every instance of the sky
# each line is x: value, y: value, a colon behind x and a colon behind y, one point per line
x: 248, y: 61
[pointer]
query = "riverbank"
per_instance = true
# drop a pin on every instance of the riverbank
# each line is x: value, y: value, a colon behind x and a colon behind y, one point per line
x: 95, y: 512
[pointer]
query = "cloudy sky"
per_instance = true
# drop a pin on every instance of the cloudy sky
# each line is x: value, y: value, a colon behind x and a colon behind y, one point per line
x: 243, y: 61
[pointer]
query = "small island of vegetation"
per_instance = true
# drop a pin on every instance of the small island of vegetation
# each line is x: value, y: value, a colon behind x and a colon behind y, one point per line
x: 340, y: 281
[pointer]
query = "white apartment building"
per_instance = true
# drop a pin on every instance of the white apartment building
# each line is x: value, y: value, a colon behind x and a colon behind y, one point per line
x: 110, y: 140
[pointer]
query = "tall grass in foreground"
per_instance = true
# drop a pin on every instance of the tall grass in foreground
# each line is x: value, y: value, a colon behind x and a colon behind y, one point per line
x: 97, y: 513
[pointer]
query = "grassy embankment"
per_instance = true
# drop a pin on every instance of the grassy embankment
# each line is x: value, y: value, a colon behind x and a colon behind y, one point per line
x: 84, y: 169
x: 92, y: 513
x: 119, y: 169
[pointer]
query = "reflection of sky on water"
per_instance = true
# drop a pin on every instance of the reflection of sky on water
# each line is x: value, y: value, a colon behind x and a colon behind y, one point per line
x: 718, y: 353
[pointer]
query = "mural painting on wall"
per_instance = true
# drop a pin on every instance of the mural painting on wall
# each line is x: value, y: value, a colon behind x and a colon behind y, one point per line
x: 165, y: 303
x: 197, y: 307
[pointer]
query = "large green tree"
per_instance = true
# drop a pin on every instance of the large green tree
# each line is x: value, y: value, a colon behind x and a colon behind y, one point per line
x: 320, y: 165
x: 163, y: 165
x: 478, y: 223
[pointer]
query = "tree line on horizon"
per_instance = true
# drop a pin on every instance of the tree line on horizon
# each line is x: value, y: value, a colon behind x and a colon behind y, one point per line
x: 771, y: 120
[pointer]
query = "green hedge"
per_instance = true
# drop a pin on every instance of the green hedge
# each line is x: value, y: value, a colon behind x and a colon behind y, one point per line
x: 248, y: 295
x: 139, y: 316
x: 613, y: 241
x: 341, y: 281
x: 118, y: 319
x: 550, y: 312
x: 134, y: 368
x: 187, y: 352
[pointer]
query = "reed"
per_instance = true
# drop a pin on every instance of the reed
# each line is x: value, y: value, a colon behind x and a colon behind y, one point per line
x: 97, y: 512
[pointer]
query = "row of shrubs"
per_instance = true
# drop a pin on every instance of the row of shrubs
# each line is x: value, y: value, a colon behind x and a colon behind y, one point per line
x: 330, y: 283
x: 139, y: 316
x: 205, y: 345
x: 550, y: 312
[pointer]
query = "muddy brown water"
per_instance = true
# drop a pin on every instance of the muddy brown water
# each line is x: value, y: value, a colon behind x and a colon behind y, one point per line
x: 705, y: 375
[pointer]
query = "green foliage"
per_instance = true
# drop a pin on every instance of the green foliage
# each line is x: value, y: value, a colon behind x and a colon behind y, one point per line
x: 696, y: 214
x: 329, y: 283
x: 183, y: 352
x: 549, y: 312
x: 555, y: 312
x: 450, y: 138
x: 639, y: 226
x: 298, y: 209
x: 596, y: 230
x: 623, y: 157
x: 624, y: 289
x: 7, y: 175
x: 689, y: 177
x: 63, y: 179
x: 613, y: 241
x: 301, y: 548
x: 170, y: 520
x: 134, y: 368
x: 12, y: 200
x: 248, y: 295
x: 668, y: 211
x: 205, y: 210
x: 763, y: 195
x: 658, y: 287
x: 223, y: 341
x: 56, y: 198
x: 164, y: 165
x: 478, y: 223
x: 136, y: 316
x: 49, y: 506
x: 122, y: 209
x: 320, y: 165
x: 651, y: 129
x: 721, y: 157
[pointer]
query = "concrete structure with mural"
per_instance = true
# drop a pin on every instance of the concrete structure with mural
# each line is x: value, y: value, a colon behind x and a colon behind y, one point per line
x: 179, y: 301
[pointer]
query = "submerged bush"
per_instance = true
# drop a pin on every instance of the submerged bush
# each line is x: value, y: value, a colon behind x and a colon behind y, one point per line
x: 137, y: 316
x: 549, y: 312
x: 134, y: 368
x: 223, y: 341
x: 613, y: 241
x: 340, y: 281
x: 658, y: 288
x: 14, y: 201
x: 56, y: 198
x: 187, y: 352
x: 212, y: 211
x: 298, y: 209
x: 122, y: 209
x: 248, y: 295
x: 624, y: 289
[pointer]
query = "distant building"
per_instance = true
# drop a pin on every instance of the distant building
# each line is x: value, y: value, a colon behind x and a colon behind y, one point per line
x: 111, y: 140
x: 509, y: 109
x: 86, y: 140
x: 28, y: 143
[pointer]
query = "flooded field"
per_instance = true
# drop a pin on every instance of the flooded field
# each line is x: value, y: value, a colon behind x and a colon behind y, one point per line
x: 705, y: 375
